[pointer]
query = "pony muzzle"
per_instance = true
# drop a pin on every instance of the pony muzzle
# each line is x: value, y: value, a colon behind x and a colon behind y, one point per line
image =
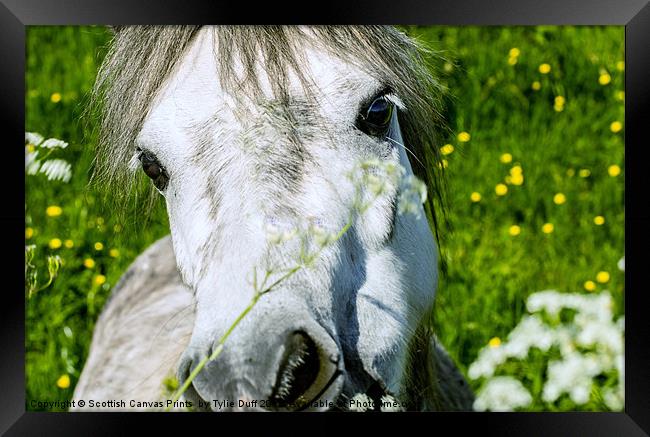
x: 295, y: 372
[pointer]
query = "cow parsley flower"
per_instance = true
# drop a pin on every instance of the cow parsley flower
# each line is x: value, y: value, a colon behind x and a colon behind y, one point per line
x: 530, y: 332
x: 413, y: 194
x: 614, y: 398
x: 488, y: 360
x: 590, y: 344
x: 573, y: 375
x: 378, y: 178
x: 502, y: 393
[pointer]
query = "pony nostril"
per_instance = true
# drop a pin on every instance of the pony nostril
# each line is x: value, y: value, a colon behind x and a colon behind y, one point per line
x: 184, y: 369
x: 298, y: 371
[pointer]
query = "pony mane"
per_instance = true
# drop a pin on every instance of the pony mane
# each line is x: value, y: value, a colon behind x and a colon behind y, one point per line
x: 142, y: 57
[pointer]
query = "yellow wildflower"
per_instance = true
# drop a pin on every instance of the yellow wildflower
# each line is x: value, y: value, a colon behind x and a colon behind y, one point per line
x: 517, y: 179
x: 559, y: 198
x: 616, y: 126
x: 447, y: 149
x: 69, y: 244
x: 516, y: 170
x: 620, y: 95
x: 494, y: 342
x: 536, y: 85
x: 604, y: 78
x: 53, y: 211
x: 512, y: 60
x: 547, y: 228
x: 614, y: 170
x: 501, y: 189
x: 464, y: 137
x: 506, y: 158
x: 55, y: 243
x: 560, y: 100
x: 89, y: 263
x: 29, y: 233
x: 620, y: 65
x: 99, y: 246
x: 475, y: 197
x: 590, y: 285
x: 514, y: 230
x: 114, y: 253
x: 99, y: 279
x: 584, y: 172
x: 55, y: 97
x: 544, y: 68
x: 599, y: 220
x: 514, y: 52
x: 602, y: 277
x: 63, y: 382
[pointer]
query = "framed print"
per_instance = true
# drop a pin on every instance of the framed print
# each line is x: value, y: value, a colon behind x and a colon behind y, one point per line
x: 436, y: 210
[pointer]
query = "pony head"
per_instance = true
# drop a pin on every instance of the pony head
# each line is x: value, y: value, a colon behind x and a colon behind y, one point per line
x: 254, y: 136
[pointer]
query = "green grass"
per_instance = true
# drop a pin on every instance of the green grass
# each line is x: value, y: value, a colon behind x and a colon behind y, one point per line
x: 64, y: 60
x: 487, y: 273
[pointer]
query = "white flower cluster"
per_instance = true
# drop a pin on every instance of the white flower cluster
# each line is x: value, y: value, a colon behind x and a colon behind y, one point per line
x: 372, y: 179
x: 502, y: 393
x: 308, y: 231
x: 530, y: 332
x: 590, y: 344
x: 275, y: 235
x: 413, y: 193
x: 54, y: 169
x: 377, y: 178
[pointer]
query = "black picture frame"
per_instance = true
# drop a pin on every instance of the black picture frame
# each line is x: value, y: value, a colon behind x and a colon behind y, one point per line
x: 633, y: 14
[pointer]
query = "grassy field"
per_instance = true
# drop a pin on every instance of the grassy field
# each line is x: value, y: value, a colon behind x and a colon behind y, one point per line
x: 535, y: 164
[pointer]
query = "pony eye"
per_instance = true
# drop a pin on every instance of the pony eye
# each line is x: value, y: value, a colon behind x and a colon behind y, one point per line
x: 375, y: 120
x: 154, y: 170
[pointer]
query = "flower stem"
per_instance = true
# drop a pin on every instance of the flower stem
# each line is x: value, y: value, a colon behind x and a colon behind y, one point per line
x: 215, y: 353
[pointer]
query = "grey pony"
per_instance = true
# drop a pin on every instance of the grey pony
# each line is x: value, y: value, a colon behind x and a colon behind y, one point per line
x: 147, y: 330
